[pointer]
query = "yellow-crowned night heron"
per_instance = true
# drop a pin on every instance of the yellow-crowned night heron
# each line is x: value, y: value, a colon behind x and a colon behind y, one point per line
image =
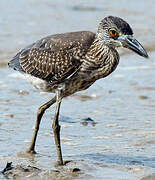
x: 66, y: 63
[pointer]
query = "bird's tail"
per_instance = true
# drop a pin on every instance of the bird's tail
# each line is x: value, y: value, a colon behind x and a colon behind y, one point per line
x: 15, y: 64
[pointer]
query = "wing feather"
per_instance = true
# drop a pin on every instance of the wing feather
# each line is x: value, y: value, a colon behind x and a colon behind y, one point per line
x: 54, y: 57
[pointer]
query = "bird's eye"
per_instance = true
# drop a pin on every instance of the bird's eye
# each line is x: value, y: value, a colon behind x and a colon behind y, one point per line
x: 113, y: 33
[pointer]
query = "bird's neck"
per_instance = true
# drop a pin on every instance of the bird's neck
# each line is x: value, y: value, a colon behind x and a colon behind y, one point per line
x: 101, y: 60
x: 99, y: 50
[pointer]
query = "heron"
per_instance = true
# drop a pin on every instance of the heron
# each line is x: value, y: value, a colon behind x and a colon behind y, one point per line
x: 70, y: 62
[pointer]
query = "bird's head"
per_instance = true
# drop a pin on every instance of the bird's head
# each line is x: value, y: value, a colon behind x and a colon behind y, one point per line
x: 115, y: 32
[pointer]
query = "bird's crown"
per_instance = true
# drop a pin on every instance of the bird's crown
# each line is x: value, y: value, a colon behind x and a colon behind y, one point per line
x: 116, y: 22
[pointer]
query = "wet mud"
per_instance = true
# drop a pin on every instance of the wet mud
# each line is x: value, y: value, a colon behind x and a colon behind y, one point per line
x: 20, y: 171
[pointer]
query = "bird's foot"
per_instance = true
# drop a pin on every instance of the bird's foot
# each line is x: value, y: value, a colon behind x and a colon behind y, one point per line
x: 31, y: 151
x: 58, y: 163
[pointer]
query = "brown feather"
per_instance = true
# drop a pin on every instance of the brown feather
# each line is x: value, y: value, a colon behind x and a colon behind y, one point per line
x: 56, y: 56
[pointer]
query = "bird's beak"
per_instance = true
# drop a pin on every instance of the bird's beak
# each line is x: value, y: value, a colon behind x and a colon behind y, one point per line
x: 129, y: 42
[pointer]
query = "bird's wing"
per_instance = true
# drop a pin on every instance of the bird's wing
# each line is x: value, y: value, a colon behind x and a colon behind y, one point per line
x: 55, y: 57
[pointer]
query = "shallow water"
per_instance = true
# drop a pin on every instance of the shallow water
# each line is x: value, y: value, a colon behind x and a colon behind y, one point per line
x: 117, y: 142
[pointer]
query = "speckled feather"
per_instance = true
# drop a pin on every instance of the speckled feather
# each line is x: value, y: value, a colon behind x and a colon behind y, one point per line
x: 55, y: 57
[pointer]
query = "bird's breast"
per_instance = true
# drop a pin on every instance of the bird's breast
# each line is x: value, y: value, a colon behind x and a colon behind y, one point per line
x: 100, y: 64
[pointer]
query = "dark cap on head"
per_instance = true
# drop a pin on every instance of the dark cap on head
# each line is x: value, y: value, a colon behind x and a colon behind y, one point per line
x: 122, y: 25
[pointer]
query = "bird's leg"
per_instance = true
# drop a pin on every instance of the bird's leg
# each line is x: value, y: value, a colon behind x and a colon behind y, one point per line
x: 56, y: 127
x: 40, y: 113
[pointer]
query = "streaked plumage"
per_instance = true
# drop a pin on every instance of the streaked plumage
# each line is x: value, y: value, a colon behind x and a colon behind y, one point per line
x: 54, y: 57
x: 71, y: 62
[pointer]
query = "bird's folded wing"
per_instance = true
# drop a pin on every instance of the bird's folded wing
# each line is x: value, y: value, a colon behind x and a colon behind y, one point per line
x: 55, y: 57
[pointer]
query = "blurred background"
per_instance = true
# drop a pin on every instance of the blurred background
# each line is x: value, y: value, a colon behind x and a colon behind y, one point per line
x: 108, y: 129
